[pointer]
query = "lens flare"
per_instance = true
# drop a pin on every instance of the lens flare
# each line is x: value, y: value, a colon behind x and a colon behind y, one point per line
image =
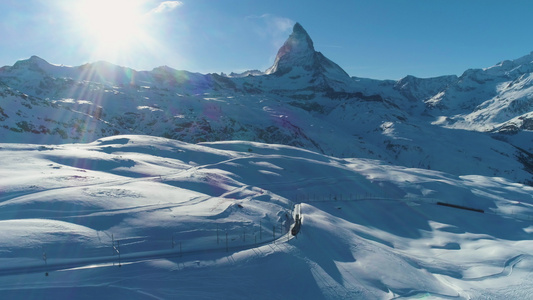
x: 111, y: 28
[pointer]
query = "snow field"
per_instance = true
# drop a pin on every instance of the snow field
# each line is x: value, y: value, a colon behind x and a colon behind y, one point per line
x: 167, y: 201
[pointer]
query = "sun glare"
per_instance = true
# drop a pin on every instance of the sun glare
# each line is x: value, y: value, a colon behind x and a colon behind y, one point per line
x: 111, y: 27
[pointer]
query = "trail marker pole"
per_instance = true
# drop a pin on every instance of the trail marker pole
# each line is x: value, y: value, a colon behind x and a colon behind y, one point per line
x: 45, y: 263
x: 118, y: 251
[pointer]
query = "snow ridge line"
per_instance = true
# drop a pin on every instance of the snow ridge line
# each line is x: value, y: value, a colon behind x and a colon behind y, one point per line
x: 507, y: 268
x: 414, y: 200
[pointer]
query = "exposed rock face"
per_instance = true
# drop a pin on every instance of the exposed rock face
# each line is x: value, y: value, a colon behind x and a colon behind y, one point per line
x: 297, y: 58
x: 297, y: 51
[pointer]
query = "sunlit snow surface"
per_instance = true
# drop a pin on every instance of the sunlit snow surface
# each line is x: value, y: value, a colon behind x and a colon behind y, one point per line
x: 370, y: 230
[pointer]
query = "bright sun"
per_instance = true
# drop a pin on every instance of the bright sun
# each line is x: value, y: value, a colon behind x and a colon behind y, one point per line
x: 112, y: 27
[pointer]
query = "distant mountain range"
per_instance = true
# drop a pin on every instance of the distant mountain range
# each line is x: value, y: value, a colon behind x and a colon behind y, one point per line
x: 478, y: 123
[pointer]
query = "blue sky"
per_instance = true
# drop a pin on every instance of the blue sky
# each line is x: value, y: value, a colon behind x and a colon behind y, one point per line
x: 382, y: 39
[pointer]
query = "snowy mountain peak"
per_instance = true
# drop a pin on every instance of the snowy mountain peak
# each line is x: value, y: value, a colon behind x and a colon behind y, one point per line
x: 300, y: 38
x: 33, y: 63
x: 298, y: 50
x: 512, y: 68
x: 298, y: 58
x: 35, y: 68
x: 36, y: 59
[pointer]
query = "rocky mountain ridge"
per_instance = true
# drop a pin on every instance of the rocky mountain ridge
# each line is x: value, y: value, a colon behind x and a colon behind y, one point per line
x: 477, y: 123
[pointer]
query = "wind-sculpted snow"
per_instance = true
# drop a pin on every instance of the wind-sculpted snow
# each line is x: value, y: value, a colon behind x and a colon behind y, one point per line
x: 370, y: 230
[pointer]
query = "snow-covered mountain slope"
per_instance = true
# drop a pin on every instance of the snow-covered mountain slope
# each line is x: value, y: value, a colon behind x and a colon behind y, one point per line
x: 370, y: 230
x: 303, y: 100
x: 487, y: 99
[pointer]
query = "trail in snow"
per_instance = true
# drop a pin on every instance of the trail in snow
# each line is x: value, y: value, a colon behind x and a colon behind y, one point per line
x: 124, y: 259
x: 351, y: 246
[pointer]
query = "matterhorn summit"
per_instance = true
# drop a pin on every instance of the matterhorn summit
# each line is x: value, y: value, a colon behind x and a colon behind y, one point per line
x: 298, y: 50
x: 298, y: 58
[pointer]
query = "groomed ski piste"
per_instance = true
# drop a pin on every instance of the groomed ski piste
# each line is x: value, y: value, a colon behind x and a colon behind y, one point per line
x: 140, y: 217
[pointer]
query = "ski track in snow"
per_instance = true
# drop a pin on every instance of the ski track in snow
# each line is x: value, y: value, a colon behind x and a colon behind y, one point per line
x: 348, y: 247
